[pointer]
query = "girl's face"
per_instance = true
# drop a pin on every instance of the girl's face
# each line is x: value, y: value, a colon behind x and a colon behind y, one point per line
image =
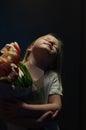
x: 48, y: 43
x: 46, y: 47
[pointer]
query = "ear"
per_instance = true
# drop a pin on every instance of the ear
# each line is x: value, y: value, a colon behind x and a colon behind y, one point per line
x: 29, y: 50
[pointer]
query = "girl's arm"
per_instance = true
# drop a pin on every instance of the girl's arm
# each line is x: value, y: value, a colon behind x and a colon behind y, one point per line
x: 28, y: 115
x: 54, y: 103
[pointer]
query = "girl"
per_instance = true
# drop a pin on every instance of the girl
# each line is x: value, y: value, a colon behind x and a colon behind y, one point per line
x: 43, y: 59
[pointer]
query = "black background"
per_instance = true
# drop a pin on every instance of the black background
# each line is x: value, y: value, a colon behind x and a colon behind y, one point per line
x: 25, y: 20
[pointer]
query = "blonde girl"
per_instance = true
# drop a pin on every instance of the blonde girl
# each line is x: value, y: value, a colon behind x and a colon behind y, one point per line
x: 43, y: 58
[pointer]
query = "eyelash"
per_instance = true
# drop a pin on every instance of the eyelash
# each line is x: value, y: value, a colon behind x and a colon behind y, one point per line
x: 50, y: 42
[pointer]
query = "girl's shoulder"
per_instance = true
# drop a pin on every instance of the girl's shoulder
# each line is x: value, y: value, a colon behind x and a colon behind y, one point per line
x: 51, y: 74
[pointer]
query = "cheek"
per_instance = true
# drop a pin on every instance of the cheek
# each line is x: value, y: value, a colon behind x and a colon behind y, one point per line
x: 54, y: 51
x: 37, y: 44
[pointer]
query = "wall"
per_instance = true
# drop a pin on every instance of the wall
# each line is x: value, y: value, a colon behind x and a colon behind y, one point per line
x: 83, y: 69
x: 23, y: 21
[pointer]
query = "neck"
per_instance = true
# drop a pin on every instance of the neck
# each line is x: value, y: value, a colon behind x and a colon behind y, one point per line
x: 38, y: 62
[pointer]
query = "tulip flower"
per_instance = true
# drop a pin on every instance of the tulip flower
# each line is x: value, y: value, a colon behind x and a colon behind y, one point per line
x: 10, y: 54
x: 11, y: 67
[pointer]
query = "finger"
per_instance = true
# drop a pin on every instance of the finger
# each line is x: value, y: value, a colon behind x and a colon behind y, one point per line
x: 46, y: 116
x: 55, y: 114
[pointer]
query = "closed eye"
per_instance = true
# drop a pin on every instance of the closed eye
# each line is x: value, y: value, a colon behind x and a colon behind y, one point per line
x: 49, y: 41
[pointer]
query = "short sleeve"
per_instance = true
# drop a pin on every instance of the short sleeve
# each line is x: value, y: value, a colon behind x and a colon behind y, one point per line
x: 54, y: 84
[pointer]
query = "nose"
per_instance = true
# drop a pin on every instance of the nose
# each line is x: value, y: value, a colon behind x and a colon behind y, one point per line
x: 51, y: 43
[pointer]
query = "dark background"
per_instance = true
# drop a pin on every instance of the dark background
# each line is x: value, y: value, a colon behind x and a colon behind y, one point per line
x: 25, y: 20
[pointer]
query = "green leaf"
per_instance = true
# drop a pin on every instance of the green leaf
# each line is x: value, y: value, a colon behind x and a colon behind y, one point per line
x: 26, y: 79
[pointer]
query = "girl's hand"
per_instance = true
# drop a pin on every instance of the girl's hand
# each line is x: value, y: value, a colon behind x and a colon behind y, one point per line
x: 46, y: 116
x: 45, y: 119
x: 54, y: 116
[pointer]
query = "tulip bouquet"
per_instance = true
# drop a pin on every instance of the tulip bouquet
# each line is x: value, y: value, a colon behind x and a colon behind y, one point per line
x: 9, y: 59
x: 12, y: 70
x: 15, y: 79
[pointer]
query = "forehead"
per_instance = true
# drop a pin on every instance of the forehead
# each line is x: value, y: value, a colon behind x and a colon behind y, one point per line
x: 49, y: 37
